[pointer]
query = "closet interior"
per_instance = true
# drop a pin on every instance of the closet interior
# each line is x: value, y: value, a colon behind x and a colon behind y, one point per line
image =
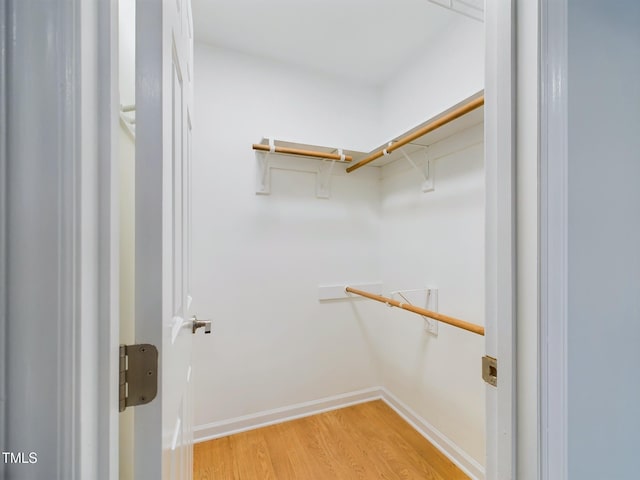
x: 331, y: 181
x: 307, y: 182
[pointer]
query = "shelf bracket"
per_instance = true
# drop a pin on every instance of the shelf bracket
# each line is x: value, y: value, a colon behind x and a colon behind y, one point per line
x: 263, y: 171
x: 431, y: 303
x: 426, y: 172
x: 323, y: 179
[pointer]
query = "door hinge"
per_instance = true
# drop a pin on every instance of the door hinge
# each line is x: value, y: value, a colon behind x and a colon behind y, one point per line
x: 138, y: 374
x: 490, y: 370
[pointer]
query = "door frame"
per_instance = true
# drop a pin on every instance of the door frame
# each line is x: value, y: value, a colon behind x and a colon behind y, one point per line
x: 94, y: 246
x: 3, y: 227
x: 500, y: 235
x: 74, y: 164
x: 108, y: 100
x: 554, y: 165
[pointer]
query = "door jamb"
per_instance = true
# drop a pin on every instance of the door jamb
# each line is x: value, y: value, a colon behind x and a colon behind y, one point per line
x: 3, y: 219
x: 553, y: 240
x: 108, y: 239
x: 83, y: 304
x: 500, y: 235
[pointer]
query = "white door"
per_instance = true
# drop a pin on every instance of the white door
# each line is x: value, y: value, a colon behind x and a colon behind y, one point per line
x: 164, y: 98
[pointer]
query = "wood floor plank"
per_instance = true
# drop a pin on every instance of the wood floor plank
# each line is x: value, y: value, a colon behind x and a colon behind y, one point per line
x: 288, y: 462
x: 214, y: 460
x: 409, y: 440
x: 364, y: 442
x: 397, y: 455
x: 252, y: 445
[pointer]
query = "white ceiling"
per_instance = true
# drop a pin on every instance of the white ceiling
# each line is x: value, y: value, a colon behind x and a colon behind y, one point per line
x: 365, y: 41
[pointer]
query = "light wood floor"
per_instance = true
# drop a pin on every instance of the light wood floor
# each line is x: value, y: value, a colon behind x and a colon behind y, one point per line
x: 366, y: 441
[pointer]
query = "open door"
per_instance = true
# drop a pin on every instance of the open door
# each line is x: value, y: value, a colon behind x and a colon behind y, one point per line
x: 164, y: 62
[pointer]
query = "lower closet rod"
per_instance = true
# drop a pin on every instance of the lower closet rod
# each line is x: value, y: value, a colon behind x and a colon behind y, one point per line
x: 471, y: 327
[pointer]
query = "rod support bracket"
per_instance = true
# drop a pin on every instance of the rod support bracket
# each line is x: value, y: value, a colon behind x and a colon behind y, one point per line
x: 263, y: 171
x: 426, y: 171
x: 428, y: 296
x: 323, y: 178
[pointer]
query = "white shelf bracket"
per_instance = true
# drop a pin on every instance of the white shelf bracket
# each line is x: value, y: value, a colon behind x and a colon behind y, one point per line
x: 323, y: 178
x: 263, y: 171
x: 426, y: 172
x: 431, y: 303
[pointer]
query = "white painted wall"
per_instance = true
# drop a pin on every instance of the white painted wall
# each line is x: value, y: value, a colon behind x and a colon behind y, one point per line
x: 604, y: 235
x: 258, y: 260
x: 437, y: 239
x: 270, y: 98
x: 443, y: 75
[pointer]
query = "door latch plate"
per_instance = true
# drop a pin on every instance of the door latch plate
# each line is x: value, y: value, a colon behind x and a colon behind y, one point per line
x: 490, y: 370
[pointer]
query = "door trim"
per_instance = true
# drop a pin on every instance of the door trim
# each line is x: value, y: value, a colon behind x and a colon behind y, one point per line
x: 3, y: 219
x: 500, y: 247
x: 47, y: 166
x: 108, y: 318
x: 71, y: 166
x: 553, y: 240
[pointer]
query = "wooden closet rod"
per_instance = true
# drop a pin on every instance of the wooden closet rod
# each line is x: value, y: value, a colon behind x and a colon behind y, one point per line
x: 471, y: 327
x: 439, y: 122
x: 306, y: 153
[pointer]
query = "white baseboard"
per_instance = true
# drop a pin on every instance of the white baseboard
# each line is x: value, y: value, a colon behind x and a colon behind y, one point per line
x: 284, y: 414
x: 454, y: 453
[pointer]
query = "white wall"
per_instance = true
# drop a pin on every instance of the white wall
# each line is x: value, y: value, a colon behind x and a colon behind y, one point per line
x: 446, y: 73
x: 437, y: 239
x: 258, y: 260
x: 604, y: 235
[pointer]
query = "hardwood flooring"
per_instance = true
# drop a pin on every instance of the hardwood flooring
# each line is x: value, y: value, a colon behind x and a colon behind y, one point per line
x: 367, y: 441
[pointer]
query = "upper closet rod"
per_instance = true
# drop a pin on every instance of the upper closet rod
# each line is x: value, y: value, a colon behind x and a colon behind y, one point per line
x: 439, y: 122
x: 471, y: 327
x: 306, y: 153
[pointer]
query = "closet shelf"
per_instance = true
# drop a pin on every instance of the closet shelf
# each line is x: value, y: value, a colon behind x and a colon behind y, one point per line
x: 456, y: 322
x: 421, y: 131
x: 269, y: 149
x: 459, y: 117
x: 306, y: 153
x: 289, y: 148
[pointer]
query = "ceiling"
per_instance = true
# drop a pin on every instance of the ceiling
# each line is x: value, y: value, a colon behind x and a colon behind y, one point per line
x: 364, y: 41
